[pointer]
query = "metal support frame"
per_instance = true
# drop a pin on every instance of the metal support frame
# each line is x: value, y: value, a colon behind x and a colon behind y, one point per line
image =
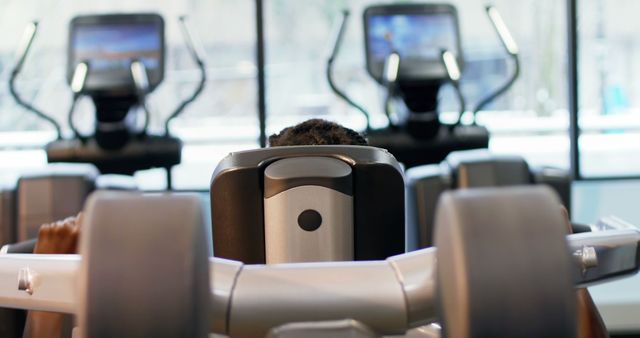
x: 572, y: 70
x: 261, y: 80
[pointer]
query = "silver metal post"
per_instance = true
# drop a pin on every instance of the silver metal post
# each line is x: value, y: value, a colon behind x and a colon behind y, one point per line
x: 450, y: 62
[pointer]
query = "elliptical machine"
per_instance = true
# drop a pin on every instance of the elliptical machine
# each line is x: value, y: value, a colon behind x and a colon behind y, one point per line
x: 412, y: 50
x: 116, y: 60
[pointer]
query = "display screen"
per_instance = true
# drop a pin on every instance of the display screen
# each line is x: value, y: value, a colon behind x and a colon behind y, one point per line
x: 113, y: 47
x: 417, y: 33
x: 416, y: 37
x: 110, y: 48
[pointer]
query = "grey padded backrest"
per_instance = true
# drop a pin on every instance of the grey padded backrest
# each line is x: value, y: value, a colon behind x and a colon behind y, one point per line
x: 50, y: 194
x: 479, y: 168
x: 558, y: 179
x: 7, y: 214
x: 10, y: 320
x: 469, y: 169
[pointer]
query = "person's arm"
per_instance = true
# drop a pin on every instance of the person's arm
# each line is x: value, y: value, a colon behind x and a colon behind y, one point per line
x: 590, y: 323
x: 55, y: 238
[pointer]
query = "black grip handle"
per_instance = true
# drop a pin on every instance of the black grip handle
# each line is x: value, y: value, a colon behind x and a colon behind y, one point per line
x: 578, y: 228
x: 22, y: 247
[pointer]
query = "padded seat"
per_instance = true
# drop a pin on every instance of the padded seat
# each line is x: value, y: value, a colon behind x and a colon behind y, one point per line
x: 469, y: 169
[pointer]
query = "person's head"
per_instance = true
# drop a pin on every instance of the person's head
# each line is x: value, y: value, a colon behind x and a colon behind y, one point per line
x: 316, y: 132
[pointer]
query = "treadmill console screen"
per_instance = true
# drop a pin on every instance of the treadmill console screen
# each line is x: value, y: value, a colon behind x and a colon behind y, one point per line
x: 110, y: 43
x: 417, y: 33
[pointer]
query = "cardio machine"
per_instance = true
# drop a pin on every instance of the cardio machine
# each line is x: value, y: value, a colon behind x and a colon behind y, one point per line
x: 116, y: 60
x: 412, y: 50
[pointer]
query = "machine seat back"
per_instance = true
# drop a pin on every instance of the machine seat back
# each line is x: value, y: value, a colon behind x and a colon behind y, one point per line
x: 469, y: 169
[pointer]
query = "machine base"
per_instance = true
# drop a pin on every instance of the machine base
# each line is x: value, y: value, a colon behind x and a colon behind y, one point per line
x: 139, y: 154
x: 414, y: 152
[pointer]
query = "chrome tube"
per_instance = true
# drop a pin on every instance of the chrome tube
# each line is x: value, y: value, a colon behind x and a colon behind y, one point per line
x: 603, y: 256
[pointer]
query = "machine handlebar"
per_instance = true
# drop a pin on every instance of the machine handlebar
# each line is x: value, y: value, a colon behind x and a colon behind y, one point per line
x: 197, y: 54
x: 512, y: 49
x: 340, y: 29
x: 21, y: 56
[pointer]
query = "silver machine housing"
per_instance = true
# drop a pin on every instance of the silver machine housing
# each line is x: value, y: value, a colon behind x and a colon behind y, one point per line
x: 308, y: 210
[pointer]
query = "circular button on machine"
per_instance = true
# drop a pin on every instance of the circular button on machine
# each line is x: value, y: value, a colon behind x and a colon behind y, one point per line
x: 309, y: 220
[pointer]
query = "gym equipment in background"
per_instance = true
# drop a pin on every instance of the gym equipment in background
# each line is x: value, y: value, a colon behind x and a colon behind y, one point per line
x: 45, y: 195
x: 11, y: 321
x: 515, y: 274
x: 7, y: 214
x: 412, y: 50
x: 470, y: 169
x: 50, y: 194
x: 116, y: 60
x: 308, y: 203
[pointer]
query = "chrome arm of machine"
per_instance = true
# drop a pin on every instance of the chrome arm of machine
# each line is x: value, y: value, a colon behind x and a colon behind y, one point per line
x: 390, y: 296
x: 603, y: 256
x: 509, y: 44
x: 78, y: 82
x: 390, y: 80
x: 454, y: 74
x: 141, y: 81
x: 610, y: 251
x: 39, y: 282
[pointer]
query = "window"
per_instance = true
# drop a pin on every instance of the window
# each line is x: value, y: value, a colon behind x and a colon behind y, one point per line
x: 609, y: 93
x: 531, y: 119
x: 223, y: 119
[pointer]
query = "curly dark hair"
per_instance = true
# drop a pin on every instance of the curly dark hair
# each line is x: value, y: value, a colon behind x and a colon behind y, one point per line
x: 316, y: 132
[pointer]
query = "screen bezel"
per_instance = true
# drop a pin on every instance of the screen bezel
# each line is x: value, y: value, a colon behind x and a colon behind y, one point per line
x: 422, y: 71
x: 155, y: 76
